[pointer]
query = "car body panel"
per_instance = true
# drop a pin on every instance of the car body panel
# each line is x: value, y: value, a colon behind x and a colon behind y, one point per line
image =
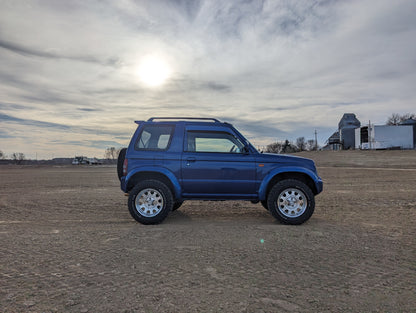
x: 245, y: 175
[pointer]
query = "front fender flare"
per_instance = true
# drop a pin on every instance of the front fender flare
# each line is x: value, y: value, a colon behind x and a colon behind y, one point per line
x: 288, y: 169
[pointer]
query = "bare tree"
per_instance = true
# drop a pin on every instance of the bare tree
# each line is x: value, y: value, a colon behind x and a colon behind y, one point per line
x: 275, y: 147
x: 396, y: 119
x: 282, y: 147
x: 288, y: 147
x: 407, y: 116
x: 300, y: 143
x: 111, y: 154
x: 311, y: 145
x: 18, y: 157
x: 2, y: 155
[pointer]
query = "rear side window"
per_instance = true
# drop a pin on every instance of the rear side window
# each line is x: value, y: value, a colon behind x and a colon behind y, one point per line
x: 155, y: 137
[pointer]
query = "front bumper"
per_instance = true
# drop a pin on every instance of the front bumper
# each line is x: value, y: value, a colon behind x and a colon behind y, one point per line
x: 319, y: 185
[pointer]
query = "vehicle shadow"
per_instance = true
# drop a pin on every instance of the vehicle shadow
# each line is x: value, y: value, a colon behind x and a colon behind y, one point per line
x: 178, y: 216
x: 212, y: 212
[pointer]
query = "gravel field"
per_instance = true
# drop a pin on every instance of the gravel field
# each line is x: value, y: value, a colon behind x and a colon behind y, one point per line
x: 68, y: 244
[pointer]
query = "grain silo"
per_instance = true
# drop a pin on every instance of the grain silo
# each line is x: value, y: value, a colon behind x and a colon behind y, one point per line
x: 346, y: 127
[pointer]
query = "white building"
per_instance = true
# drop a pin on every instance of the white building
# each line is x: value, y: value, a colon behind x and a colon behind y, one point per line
x: 384, y: 137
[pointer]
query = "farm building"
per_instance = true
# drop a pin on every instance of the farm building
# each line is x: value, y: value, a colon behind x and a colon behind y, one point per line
x: 384, y: 137
x: 333, y: 142
x: 351, y: 135
x: 344, y: 138
x: 346, y: 127
x: 411, y: 122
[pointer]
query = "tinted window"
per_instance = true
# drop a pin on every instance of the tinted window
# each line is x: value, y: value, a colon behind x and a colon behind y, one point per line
x: 213, y: 142
x: 155, y: 137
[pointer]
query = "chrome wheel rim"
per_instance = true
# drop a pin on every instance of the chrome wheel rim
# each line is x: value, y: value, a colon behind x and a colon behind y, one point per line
x: 149, y: 202
x: 292, y: 202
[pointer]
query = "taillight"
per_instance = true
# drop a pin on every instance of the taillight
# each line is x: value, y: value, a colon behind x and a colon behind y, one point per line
x: 125, y: 167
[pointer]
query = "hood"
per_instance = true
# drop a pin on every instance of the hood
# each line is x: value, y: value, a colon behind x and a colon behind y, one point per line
x: 284, y: 159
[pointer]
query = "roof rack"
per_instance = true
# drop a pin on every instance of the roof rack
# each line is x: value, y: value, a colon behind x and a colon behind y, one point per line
x: 184, y: 118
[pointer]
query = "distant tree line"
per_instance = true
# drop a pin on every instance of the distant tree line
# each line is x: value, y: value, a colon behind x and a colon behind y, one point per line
x: 17, y: 157
x: 289, y: 147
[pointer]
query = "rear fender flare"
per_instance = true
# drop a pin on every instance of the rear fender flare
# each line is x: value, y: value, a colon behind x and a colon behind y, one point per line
x: 177, y: 190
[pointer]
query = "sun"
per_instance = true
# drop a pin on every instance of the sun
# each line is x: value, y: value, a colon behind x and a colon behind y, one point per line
x: 153, y: 71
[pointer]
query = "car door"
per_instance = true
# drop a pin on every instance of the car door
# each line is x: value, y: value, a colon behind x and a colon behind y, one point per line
x: 216, y: 165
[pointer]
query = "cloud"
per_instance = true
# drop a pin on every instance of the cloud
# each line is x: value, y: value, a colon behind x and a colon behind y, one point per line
x: 5, y: 134
x: 88, y: 110
x: 25, y: 51
x: 276, y: 69
x: 14, y: 106
x: 8, y: 118
x: 217, y: 86
x: 98, y: 144
x: 254, y: 128
x: 56, y: 126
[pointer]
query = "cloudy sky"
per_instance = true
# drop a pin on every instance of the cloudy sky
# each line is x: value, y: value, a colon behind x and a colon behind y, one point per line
x: 74, y: 75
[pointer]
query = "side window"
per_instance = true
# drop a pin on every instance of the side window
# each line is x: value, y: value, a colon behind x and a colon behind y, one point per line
x: 222, y: 142
x: 154, y: 137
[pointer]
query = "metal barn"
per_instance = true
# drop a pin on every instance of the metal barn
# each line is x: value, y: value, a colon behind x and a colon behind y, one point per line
x: 384, y: 137
x: 411, y: 122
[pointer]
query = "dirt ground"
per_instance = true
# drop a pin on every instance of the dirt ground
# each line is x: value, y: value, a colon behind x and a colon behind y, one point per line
x: 68, y: 244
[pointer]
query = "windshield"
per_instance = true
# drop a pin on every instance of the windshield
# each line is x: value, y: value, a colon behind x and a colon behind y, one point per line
x: 245, y: 141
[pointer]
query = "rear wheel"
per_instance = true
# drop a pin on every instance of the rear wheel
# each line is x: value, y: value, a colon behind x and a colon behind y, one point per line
x: 150, y: 202
x: 291, y: 202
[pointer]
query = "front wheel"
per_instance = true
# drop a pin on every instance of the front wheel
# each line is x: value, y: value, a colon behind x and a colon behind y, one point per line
x: 150, y: 202
x: 291, y: 202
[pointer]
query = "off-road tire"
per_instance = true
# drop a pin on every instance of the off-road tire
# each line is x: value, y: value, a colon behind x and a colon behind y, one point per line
x: 264, y: 204
x: 150, y: 202
x: 291, y: 201
x: 120, y: 162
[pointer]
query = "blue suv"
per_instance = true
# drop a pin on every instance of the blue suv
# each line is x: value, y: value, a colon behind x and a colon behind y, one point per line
x: 170, y: 160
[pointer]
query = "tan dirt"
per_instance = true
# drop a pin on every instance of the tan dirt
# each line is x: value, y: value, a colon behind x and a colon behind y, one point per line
x: 68, y: 244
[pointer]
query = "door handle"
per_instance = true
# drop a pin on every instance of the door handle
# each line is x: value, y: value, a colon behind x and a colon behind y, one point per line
x: 189, y: 161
